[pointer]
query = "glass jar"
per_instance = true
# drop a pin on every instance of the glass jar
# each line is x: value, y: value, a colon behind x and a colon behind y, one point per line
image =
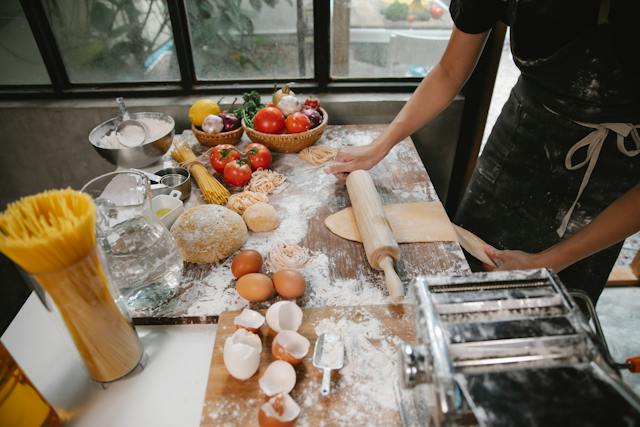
x: 21, y: 405
x: 99, y: 327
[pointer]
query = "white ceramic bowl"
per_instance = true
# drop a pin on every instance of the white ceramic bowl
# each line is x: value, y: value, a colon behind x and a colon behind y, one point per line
x: 168, y: 201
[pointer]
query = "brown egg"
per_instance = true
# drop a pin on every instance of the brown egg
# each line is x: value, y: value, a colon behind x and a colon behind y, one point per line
x: 255, y: 287
x: 290, y: 346
x: 279, y: 411
x: 289, y: 284
x: 246, y: 262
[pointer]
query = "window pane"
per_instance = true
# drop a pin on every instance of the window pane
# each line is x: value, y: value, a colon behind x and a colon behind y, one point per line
x: 388, y: 38
x: 114, y: 41
x: 251, y: 39
x: 19, y: 54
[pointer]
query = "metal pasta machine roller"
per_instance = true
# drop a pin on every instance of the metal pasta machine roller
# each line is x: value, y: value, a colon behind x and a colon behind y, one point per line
x: 509, y: 349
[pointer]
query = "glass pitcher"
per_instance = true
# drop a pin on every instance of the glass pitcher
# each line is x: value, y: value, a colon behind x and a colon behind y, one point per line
x: 142, y: 255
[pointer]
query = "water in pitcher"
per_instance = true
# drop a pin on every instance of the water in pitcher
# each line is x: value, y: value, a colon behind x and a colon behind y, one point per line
x: 141, y: 254
x: 144, y: 262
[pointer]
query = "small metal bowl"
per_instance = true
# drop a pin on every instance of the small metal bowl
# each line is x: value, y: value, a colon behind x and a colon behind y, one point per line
x: 184, y: 187
x: 135, y: 157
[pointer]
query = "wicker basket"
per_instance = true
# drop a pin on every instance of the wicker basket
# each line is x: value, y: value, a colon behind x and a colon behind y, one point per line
x: 212, y: 139
x: 289, y: 142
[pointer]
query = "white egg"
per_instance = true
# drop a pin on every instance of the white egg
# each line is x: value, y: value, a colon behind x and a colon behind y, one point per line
x: 249, y: 319
x: 284, y: 316
x: 241, y: 354
x: 279, y: 377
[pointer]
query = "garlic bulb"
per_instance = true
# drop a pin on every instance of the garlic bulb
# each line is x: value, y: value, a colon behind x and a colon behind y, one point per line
x: 212, y: 124
x: 289, y: 104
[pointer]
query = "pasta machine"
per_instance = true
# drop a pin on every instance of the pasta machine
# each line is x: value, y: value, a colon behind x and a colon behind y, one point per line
x: 509, y: 349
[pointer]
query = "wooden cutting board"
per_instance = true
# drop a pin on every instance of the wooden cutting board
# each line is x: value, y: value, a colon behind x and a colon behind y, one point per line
x: 362, y: 393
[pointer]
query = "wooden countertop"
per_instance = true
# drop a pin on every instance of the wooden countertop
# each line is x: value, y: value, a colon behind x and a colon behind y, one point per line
x: 308, y: 199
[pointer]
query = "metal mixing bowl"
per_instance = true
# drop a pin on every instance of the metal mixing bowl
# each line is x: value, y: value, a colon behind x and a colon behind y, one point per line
x: 136, y: 157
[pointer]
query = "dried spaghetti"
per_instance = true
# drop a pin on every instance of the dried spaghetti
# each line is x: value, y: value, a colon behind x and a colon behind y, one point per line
x: 239, y: 202
x: 52, y: 236
x: 211, y: 189
x: 265, y: 181
x: 318, y: 154
x: 286, y: 256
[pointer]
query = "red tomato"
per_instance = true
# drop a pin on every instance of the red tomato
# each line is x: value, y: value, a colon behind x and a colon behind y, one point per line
x: 259, y: 156
x: 436, y: 11
x: 312, y: 102
x: 237, y: 173
x: 298, y: 122
x: 268, y: 120
x: 221, y: 155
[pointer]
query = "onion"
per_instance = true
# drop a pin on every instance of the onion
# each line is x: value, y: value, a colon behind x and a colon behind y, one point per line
x: 314, y: 116
x: 289, y: 104
x: 277, y: 96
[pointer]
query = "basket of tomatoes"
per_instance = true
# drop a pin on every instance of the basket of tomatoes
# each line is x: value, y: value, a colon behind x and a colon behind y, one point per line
x: 211, y: 126
x: 285, y: 125
x: 236, y: 166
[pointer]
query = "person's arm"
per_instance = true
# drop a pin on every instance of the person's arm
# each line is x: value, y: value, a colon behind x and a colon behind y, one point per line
x: 433, y: 95
x: 618, y: 221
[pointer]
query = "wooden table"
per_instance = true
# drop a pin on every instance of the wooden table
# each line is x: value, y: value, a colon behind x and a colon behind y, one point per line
x: 310, y: 196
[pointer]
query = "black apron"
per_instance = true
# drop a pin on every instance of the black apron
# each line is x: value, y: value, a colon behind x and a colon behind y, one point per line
x: 522, y: 190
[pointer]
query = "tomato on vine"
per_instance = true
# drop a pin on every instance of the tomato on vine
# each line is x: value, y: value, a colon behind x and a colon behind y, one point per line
x: 237, y: 172
x: 221, y: 155
x: 259, y: 156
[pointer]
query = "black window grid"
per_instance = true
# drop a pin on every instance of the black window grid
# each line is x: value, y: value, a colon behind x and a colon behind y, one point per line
x: 189, y: 84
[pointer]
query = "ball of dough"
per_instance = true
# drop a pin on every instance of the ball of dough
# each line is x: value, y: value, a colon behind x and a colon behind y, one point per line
x: 261, y: 217
x: 208, y: 233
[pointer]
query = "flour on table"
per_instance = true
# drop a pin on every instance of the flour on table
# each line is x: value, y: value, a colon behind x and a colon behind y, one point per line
x: 212, y: 290
x: 322, y: 291
x: 366, y: 381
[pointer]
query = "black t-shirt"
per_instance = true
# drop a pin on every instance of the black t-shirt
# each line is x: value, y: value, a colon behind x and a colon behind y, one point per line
x: 587, y: 66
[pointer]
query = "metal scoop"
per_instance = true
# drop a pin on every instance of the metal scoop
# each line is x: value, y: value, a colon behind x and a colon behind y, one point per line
x: 129, y: 132
x: 328, y: 355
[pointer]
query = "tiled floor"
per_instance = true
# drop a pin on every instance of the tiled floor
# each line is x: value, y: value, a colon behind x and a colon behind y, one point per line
x: 619, y: 312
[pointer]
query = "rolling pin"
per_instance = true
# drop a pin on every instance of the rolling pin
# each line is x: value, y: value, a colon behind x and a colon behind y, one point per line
x: 379, y: 242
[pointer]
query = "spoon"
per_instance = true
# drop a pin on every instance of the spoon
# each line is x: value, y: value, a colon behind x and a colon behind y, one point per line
x: 129, y: 132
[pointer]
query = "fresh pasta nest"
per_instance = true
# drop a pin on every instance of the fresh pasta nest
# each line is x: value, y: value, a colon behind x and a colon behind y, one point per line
x: 209, y: 233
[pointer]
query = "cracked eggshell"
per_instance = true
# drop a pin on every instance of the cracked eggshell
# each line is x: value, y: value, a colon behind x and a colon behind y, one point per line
x: 284, y: 316
x: 249, y: 319
x: 279, y: 377
x: 279, y: 411
x: 241, y: 354
x: 290, y: 346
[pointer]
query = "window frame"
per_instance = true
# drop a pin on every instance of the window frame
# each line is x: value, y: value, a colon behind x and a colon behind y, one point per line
x: 189, y: 84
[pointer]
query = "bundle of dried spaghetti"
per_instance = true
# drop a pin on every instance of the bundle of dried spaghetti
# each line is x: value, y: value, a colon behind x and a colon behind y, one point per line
x: 52, y: 236
x: 265, y: 181
x: 317, y: 154
x: 211, y: 189
x: 239, y: 202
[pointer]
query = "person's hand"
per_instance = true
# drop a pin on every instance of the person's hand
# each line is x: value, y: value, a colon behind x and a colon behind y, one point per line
x: 512, y: 260
x: 350, y: 159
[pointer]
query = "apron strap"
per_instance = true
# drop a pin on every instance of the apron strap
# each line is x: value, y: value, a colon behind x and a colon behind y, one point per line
x: 593, y: 142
